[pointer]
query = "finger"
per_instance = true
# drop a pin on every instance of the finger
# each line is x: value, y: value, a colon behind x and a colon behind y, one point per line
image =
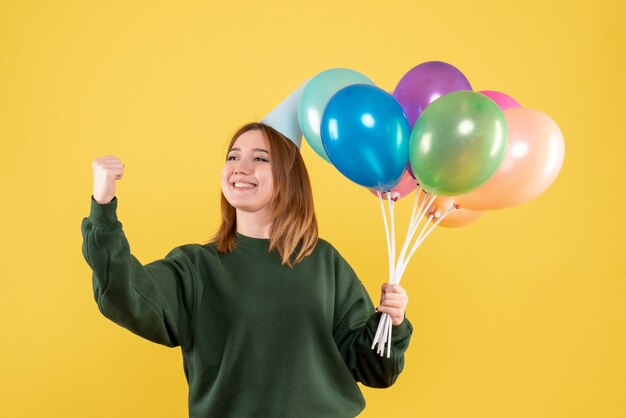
x: 109, y: 158
x: 393, y: 312
x: 382, y: 291
x: 117, y: 165
x: 114, y: 171
x: 394, y: 296
x: 108, y: 168
x: 394, y: 303
x: 386, y: 309
x: 106, y: 162
x: 394, y: 288
x: 396, y: 315
x: 397, y: 320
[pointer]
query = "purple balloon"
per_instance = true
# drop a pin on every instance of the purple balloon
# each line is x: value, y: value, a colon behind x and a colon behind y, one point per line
x: 425, y: 83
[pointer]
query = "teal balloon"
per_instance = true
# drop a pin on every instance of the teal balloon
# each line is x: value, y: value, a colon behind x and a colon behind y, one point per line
x: 458, y: 143
x: 366, y: 136
x: 315, y: 97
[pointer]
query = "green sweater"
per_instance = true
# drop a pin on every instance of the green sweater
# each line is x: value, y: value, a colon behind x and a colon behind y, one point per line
x: 258, y: 339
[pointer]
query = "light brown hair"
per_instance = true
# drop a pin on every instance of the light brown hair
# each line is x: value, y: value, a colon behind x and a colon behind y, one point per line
x: 294, y: 231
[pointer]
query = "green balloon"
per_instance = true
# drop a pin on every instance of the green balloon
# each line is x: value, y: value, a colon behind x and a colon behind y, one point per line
x: 458, y: 143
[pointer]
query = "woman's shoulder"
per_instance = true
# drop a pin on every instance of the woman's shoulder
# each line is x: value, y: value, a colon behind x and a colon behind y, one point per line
x: 195, y: 250
x: 325, y: 246
x: 344, y: 275
x: 326, y: 249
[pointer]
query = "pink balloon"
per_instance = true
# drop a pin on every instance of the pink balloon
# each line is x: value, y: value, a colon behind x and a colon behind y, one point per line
x: 503, y: 101
x: 406, y: 185
x: 532, y: 161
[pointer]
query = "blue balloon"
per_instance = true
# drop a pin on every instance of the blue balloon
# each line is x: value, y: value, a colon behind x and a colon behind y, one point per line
x: 366, y: 136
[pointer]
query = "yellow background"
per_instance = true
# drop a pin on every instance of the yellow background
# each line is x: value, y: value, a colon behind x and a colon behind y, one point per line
x: 521, y: 314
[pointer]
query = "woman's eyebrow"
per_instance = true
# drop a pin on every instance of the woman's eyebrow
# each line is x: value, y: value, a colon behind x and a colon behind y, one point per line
x: 254, y: 150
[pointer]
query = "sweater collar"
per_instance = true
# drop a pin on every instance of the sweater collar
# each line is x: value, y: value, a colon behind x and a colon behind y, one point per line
x: 249, y: 242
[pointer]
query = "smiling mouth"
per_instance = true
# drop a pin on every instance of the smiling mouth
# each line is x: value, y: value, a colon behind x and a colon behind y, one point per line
x: 243, y: 186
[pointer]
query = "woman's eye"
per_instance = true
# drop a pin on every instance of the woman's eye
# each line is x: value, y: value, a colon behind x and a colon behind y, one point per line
x: 231, y: 158
x: 265, y: 160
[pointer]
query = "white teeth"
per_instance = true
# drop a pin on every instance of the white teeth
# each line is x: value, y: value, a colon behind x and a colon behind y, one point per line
x: 244, y: 185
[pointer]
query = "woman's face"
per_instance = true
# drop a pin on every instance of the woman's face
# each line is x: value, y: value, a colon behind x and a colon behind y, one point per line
x: 247, y: 181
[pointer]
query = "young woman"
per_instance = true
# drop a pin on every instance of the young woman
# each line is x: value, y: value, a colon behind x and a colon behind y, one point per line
x: 271, y: 320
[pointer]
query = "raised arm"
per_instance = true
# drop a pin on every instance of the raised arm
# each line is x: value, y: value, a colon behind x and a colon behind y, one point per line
x: 156, y: 300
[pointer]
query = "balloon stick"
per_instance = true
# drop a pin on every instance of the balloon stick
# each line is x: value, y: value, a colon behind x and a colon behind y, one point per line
x: 419, y: 241
x: 382, y: 208
x: 389, y: 325
x: 393, y: 232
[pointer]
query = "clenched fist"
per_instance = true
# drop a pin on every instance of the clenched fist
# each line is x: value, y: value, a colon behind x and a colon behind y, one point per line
x: 106, y: 170
x: 393, y: 300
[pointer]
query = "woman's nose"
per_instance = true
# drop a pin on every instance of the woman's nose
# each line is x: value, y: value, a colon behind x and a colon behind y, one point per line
x: 241, y: 168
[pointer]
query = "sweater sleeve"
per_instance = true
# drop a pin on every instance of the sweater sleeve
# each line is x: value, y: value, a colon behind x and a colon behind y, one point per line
x: 354, y: 330
x: 154, y: 301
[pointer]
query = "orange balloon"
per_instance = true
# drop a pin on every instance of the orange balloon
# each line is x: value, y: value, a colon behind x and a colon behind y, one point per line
x: 532, y: 162
x: 457, y: 218
x: 440, y: 205
x: 460, y: 217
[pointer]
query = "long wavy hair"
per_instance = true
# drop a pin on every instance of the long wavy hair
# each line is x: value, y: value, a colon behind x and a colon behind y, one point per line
x: 294, y: 231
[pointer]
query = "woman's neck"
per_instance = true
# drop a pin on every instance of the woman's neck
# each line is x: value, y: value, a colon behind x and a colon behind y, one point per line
x: 254, y: 224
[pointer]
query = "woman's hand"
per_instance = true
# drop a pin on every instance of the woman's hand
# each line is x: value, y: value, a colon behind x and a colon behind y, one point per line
x: 393, y: 300
x: 106, y: 170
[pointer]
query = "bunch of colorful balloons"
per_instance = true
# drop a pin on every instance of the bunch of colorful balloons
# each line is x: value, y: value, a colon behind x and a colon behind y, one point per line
x: 464, y: 151
x: 482, y: 148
